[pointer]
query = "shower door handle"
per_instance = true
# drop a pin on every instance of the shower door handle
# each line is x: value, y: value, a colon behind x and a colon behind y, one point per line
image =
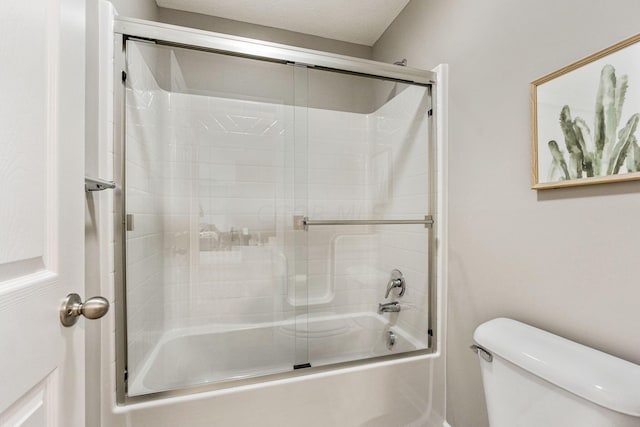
x: 72, y: 307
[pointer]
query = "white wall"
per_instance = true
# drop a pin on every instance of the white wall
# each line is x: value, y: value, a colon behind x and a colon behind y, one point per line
x: 563, y: 260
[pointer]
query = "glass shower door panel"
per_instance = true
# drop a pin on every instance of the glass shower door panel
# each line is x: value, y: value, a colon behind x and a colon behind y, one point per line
x: 210, y: 254
x: 367, y: 159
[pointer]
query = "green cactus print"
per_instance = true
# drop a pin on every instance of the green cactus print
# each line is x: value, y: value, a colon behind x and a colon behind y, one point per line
x: 607, y: 152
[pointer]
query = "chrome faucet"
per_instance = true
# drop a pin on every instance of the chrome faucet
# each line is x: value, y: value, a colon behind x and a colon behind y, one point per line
x: 396, y: 281
x: 390, y: 307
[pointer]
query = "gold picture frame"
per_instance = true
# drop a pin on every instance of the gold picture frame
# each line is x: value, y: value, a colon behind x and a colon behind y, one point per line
x: 568, y: 149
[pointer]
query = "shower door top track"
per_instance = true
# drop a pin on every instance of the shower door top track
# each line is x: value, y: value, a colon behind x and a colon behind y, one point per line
x: 240, y: 46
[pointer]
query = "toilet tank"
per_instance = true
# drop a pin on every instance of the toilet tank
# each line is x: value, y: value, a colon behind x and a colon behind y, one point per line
x: 538, y: 379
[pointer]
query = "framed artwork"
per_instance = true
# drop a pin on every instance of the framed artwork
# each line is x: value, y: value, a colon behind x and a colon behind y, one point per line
x: 585, y: 120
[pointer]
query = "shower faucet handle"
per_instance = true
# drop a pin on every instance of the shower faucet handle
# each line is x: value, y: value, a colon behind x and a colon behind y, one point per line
x: 396, y: 281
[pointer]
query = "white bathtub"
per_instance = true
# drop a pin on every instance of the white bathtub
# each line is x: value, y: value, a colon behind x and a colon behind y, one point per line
x: 218, y: 353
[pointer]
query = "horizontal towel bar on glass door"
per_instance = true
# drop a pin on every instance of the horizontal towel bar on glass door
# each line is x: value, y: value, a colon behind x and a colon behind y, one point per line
x: 302, y: 222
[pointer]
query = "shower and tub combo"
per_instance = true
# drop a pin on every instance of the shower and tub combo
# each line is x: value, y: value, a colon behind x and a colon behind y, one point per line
x: 276, y: 212
x: 278, y: 225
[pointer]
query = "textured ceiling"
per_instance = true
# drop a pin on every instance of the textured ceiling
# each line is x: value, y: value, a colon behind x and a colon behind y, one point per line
x: 355, y: 21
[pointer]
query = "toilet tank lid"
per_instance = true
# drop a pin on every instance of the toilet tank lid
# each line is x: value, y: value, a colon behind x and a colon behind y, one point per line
x: 591, y: 374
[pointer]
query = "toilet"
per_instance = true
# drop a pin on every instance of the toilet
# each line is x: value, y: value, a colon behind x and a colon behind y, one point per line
x: 534, y: 378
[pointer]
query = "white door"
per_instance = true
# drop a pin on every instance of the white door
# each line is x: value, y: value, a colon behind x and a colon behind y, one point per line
x: 42, y: 73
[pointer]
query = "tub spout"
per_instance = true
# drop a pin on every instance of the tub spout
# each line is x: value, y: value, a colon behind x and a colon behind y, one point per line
x: 389, y: 307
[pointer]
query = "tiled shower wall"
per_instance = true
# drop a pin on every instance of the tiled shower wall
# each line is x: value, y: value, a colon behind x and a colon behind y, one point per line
x: 371, y: 166
x: 237, y: 164
x: 340, y: 258
x: 239, y: 275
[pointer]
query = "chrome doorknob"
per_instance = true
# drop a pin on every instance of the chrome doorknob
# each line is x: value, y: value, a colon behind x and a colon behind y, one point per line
x: 72, y: 307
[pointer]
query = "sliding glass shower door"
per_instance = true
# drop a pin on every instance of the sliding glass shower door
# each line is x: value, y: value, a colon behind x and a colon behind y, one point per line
x: 277, y: 217
x: 210, y: 253
x: 368, y: 195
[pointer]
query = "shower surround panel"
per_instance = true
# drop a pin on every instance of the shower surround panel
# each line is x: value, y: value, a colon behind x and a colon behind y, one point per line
x: 210, y: 186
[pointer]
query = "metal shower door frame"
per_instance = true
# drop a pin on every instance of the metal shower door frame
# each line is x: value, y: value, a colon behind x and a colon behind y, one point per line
x: 171, y: 35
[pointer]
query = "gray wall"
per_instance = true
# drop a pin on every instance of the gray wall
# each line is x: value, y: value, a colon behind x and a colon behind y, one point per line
x: 141, y: 9
x: 260, y: 32
x: 148, y: 9
x: 563, y: 260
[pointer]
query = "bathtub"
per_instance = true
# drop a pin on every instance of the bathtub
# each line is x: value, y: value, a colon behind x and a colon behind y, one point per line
x: 217, y: 353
